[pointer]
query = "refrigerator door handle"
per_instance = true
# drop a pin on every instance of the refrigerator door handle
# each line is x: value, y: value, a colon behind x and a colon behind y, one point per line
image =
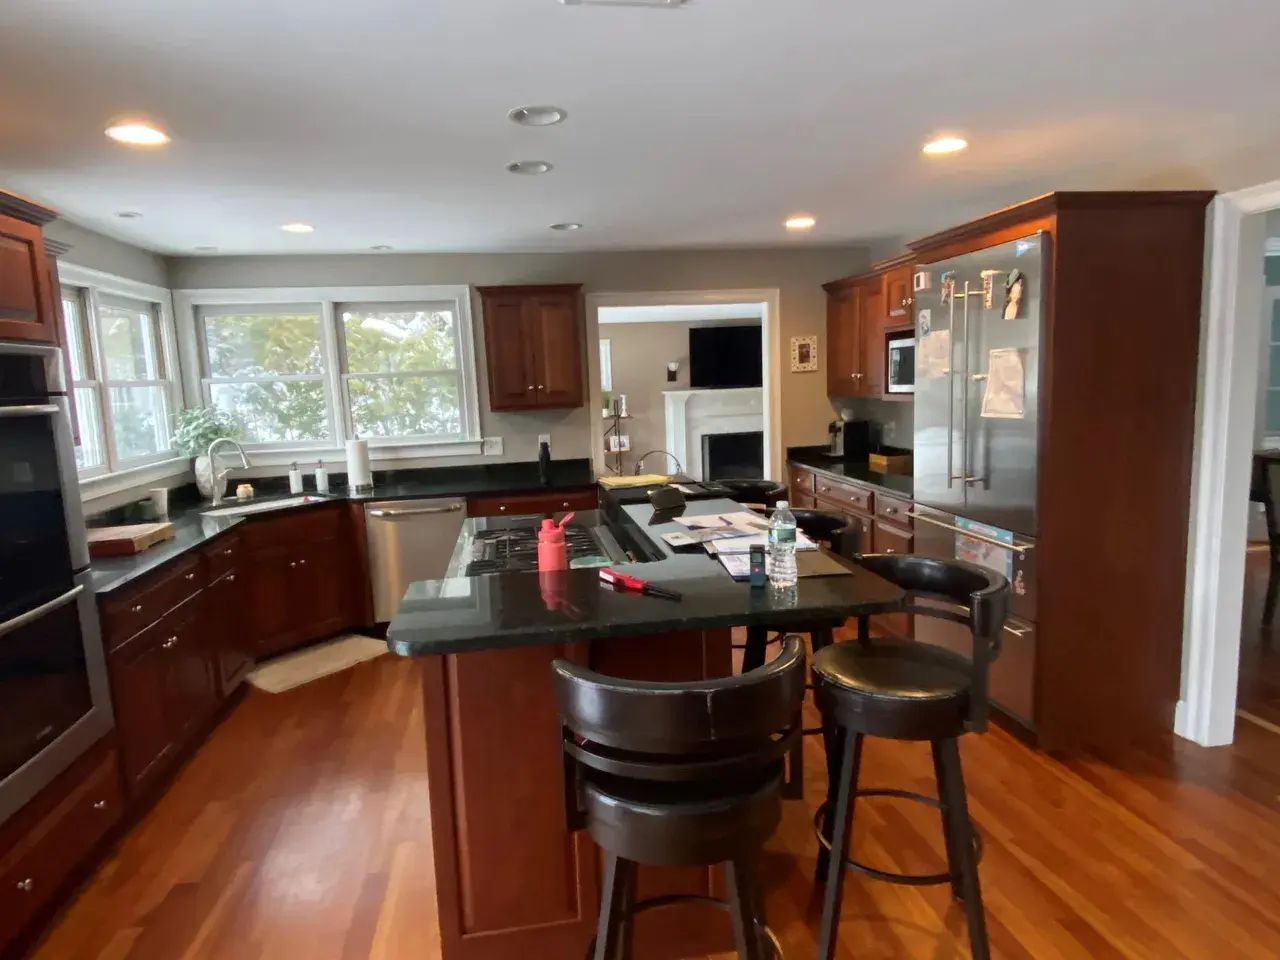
x: 964, y: 398
x: 1018, y: 548
x: 951, y: 394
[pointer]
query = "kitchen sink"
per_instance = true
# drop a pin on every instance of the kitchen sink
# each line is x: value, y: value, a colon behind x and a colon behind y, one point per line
x: 262, y: 507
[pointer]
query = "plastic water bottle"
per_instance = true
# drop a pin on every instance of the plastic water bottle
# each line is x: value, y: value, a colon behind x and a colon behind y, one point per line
x: 782, y: 546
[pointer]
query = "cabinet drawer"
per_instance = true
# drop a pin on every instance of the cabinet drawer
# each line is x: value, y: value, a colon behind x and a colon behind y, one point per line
x: 77, y: 811
x: 894, y: 510
x: 525, y: 504
x: 847, y: 495
x: 220, y: 556
x: 888, y: 538
x: 298, y: 526
x: 147, y: 601
x: 800, y: 481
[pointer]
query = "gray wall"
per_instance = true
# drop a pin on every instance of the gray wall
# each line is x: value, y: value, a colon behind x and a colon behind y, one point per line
x: 640, y: 353
x: 93, y: 250
x: 797, y: 272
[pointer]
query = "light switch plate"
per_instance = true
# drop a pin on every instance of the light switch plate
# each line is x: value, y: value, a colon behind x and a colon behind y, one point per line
x: 491, y: 446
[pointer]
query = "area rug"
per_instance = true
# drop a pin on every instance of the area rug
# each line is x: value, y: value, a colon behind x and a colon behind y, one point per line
x: 332, y: 656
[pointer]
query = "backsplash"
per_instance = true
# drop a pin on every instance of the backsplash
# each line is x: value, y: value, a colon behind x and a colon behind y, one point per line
x: 894, y: 421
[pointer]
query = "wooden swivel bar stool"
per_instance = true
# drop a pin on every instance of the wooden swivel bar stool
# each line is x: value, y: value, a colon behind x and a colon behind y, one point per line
x: 905, y: 690
x: 679, y: 774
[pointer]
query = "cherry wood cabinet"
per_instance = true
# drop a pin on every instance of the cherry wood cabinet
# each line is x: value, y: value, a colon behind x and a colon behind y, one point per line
x: 528, y: 504
x: 27, y: 308
x: 138, y: 676
x: 533, y: 338
x: 861, y: 312
x: 874, y: 341
x: 844, y: 340
x: 898, y: 294
x: 232, y: 657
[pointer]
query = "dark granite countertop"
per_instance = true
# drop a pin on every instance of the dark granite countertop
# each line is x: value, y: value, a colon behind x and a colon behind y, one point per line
x: 902, y: 484
x: 192, y: 529
x: 464, y: 614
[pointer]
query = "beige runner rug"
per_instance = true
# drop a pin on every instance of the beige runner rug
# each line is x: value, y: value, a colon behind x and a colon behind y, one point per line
x: 332, y: 656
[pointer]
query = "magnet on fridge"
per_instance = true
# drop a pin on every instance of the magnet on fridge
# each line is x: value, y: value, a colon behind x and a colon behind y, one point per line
x: 924, y: 322
x: 989, y: 288
x: 1015, y: 288
x: 948, y: 287
x: 923, y: 280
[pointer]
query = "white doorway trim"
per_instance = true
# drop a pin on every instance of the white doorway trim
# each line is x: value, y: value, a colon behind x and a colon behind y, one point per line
x: 771, y: 373
x: 1226, y: 410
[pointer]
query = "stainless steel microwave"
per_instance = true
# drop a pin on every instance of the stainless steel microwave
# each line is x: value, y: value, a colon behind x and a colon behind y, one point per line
x: 900, y: 364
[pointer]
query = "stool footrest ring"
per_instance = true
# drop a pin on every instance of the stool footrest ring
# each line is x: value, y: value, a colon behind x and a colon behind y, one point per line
x: 905, y: 879
x: 672, y: 899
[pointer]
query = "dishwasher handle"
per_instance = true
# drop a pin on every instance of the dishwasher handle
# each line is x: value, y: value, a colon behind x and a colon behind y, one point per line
x: 416, y: 512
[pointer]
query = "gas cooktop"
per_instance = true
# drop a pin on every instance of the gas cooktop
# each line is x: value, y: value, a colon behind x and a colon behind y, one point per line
x: 515, y: 549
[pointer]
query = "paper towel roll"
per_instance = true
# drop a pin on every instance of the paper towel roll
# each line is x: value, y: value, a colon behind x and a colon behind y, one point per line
x: 358, y: 472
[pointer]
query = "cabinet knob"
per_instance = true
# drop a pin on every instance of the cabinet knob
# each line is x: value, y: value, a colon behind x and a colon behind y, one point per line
x: 541, y: 387
x: 302, y: 563
x: 169, y: 644
x: 100, y: 805
x: 191, y: 576
x: 293, y: 563
x: 231, y: 578
x: 888, y: 549
x: 530, y: 387
x: 27, y: 885
x: 136, y: 608
x: 890, y: 509
x: 565, y: 505
x: 226, y: 552
x: 502, y: 509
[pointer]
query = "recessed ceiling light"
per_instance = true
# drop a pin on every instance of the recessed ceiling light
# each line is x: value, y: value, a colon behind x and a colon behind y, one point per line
x: 297, y: 228
x: 529, y: 167
x: 206, y: 249
x: 128, y: 214
x: 943, y: 145
x: 801, y: 221
x: 380, y: 248
x: 537, y: 116
x: 137, y: 134
x: 566, y: 226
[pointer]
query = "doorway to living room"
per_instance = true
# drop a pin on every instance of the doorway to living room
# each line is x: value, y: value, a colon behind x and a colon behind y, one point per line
x: 686, y: 382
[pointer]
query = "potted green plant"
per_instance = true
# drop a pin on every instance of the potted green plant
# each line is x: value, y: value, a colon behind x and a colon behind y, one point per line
x: 196, y: 428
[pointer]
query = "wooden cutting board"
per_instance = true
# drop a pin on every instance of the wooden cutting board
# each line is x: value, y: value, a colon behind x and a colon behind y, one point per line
x: 128, y: 540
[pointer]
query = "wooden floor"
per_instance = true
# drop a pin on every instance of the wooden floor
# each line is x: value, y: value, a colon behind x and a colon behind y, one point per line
x: 1259, y: 647
x: 300, y: 831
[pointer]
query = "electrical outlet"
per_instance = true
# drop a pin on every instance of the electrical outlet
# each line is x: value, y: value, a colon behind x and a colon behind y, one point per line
x: 544, y: 438
x: 491, y: 446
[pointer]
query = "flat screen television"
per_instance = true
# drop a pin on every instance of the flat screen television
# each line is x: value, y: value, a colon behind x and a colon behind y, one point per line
x: 725, y: 357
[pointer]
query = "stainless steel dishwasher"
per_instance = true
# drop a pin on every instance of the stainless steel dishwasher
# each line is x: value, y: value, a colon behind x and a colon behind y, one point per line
x: 409, y: 540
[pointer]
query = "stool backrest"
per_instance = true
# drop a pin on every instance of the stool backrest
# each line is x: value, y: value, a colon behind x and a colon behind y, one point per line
x: 979, y: 600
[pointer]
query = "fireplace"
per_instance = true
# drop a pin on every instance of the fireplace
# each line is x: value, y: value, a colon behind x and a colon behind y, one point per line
x: 692, y: 414
x: 733, y: 455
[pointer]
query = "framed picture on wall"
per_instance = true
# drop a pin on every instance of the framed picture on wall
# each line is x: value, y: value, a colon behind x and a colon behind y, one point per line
x: 804, y: 354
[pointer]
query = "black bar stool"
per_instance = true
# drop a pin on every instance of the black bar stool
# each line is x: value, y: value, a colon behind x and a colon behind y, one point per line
x: 908, y: 690
x: 679, y: 774
x: 755, y: 493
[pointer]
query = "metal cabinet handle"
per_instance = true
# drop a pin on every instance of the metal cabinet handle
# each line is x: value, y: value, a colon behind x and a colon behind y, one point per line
x: 191, y: 576
x: 417, y: 512
x: 170, y: 643
x: 226, y: 552
x: 231, y: 578
x: 22, y: 619
x: 100, y: 805
x: 1019, y: 548
x: 136, y: 608
x: 29, y: 410
x: 27, y: 885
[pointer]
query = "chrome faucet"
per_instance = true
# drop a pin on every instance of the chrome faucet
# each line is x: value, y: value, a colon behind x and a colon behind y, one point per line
x: 220, y: 475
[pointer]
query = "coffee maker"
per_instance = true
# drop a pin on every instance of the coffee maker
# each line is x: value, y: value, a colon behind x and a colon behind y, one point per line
x: 850, y: 439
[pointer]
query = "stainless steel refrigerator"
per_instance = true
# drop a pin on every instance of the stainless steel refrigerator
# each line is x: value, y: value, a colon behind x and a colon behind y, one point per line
x: 978, y: 333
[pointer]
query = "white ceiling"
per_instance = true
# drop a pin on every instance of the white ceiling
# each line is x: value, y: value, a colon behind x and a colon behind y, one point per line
x: 384, y: 121
x: 676, y: 313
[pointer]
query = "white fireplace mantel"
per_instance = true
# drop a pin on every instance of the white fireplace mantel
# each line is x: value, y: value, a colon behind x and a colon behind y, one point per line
x: 691, y: 414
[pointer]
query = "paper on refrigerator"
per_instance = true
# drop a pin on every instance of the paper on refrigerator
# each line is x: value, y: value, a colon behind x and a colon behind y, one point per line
x: 933, y: 355
x: 1003, y: 395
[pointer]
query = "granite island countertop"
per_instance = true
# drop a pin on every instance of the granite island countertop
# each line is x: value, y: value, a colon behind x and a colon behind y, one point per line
x: 460, y: 614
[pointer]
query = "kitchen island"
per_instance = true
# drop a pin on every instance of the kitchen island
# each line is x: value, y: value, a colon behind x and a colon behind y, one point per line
x: 511, y: 881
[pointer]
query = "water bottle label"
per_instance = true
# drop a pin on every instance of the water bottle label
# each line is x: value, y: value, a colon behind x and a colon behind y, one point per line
x: 783, y: 535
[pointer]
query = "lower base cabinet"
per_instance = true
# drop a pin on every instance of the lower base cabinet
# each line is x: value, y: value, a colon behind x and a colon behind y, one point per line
x: 231, y: 652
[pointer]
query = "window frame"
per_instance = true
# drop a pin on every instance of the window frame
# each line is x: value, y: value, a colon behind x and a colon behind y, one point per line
x: 188, y: 304
x: 90, y: 286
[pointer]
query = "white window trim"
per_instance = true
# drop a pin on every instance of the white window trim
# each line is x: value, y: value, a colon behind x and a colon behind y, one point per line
x: 186, y: 302
x: 103, y: 479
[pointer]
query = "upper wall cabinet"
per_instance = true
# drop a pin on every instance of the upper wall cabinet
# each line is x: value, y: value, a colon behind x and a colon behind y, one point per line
x: 533, y: 344
x: 861, y: 312
x: 27, y: 310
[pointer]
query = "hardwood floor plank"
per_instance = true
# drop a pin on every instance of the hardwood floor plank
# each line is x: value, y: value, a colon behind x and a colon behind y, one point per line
x: 301, y: 829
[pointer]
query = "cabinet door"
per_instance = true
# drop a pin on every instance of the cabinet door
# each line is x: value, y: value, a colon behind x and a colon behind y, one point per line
x: 509, y: 353
x: 557, y: 348
x: 898, y: 294
x: 137, y: 688
x: 323, y: 581
x: 232, y: 654
x: 874, y: 345
x: 844, y: 361
x: 26, y: 302
x: 191, y: 693
x: 269, y: 605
